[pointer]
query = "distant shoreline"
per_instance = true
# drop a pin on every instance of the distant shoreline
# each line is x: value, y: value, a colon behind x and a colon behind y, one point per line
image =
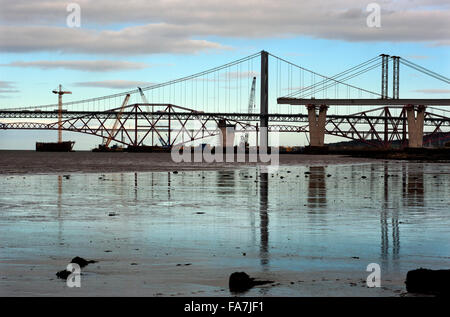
x: 31, y: 162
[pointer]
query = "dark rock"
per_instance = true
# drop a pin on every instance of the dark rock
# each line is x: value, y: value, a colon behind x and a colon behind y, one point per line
x: 82, y: 262
x: 363, y: 177
x: 175, y: 172
x: 63, y: 274
x: 427, y: 281
x: 241, y: 282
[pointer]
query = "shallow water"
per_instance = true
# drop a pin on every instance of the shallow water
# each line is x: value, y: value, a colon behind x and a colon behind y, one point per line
x: 327, y: 225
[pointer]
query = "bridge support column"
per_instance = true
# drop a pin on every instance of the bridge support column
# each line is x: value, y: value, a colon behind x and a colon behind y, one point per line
x: 317, y: 125
x: 264, y: 101
x: 415, y: 125
x: 227, y: 131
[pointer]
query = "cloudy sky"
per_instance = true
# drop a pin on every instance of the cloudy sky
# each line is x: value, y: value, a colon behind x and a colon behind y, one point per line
x: 123, y: 44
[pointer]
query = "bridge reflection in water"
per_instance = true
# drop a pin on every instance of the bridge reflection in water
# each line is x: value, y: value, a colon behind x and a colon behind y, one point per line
x: 306, y: 210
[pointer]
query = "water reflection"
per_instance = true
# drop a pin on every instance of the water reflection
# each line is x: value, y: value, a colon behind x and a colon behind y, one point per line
x: 351, y: 215
x: 168, y: 186
x: 414, y: 193
x: 384, y: 214
x: 59, y: 207
x: 317, y: 192
x: 264, y: 218
x: 135, y: 186
x: 226, y: 182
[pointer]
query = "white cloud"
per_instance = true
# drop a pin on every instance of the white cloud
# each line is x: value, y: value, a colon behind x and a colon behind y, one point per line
x: 417, y: 56
x: 433, y: 91
x: 114, y: 84
x: 81, y: 65
x: 239, y: 75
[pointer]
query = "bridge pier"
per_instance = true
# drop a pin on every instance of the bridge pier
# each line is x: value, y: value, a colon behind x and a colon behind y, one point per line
x: 317, y: 125
x: 227, y: 131
x: 415, y: 125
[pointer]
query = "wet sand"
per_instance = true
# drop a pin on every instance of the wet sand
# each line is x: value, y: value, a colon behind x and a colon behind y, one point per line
x: 30, y: 162
x: 312, y: 227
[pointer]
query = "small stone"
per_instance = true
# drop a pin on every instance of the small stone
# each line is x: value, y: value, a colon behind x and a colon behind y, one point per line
x: 241, y: 282
x: 63, y: 274
x: 81, y: 262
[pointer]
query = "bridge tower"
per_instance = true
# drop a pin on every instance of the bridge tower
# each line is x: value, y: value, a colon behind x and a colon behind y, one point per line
x: 264, y: 101
x: 395, y: 76
x: 60, y: 93
x: 384, y: 75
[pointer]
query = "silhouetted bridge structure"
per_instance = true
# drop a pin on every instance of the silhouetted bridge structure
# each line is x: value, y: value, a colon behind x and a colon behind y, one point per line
x: 221, y: 94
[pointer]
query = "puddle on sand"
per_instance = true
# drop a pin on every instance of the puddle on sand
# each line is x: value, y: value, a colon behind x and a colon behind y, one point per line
x: 299, y: 219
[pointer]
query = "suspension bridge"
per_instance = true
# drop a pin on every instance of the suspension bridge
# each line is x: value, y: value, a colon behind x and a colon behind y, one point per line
x: 294, y: 100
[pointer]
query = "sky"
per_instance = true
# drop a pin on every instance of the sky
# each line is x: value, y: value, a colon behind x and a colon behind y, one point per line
x: 120, y: 45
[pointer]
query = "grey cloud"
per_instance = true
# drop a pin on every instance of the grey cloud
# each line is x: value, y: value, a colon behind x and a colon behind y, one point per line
x: 7, y: 87
x: 178, y: 26
x: 82, y: 65
x: 114, y: 84
x: 147, y: 39
x: 6, y: 84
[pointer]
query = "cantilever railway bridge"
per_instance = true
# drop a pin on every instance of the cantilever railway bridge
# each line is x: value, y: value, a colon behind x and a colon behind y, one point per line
x: 190, y: 108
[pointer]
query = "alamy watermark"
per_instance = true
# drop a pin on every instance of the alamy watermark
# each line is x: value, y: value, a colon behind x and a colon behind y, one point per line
x: 227, y: 152
x: 74, y: 17
x: 74, y: 279
x: 374, y: 278
x: 373, y: 20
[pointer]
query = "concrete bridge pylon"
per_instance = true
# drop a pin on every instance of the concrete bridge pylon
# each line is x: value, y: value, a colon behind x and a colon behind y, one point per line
x: 317, y: 124
x: 415, y: 125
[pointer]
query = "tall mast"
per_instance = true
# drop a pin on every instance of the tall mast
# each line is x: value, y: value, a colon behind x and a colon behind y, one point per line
x: 60, y: 93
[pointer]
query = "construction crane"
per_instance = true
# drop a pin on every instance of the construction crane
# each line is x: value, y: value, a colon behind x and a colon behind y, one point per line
x: 60, y: 93
x: 251, y: 105
x: 144, y: 99
x: 113, y: 132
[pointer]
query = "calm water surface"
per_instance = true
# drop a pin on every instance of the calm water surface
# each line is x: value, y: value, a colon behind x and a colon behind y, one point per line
x: 300, y: 218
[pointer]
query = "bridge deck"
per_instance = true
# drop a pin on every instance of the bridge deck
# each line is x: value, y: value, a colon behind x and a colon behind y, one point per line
x: 364, y: 102
x: 277, y: 117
